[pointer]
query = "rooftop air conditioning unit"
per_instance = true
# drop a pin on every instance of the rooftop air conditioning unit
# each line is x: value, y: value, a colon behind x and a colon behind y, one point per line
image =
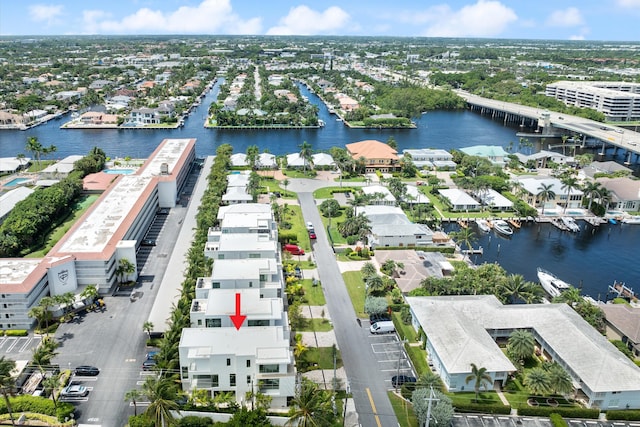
x: 164, y: 169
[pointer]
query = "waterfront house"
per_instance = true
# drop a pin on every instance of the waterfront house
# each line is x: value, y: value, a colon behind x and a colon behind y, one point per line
x: 430, y: 158
x: 13, y: 164
x: 60, y: 169
x: 623, y: 324
x: 390, y: 227
x: 377, y: 156
x: 267, y: 161
x: 95, y: 118
x: 100, y: 84
x: 625, y: 193
x: 532, y: 187
x: 379, y: 195
x: 544, y: 157
x: 414, y: 196
x: 458, y: 200
x: 494, y: 153
x: 461, y: 330
x: 323, y: 160
x: 9, y: 200
x: 238, y: 160
x: 295, y: 161
x: 494, y: 200
x: 10, y: 120
x: 602, y: 168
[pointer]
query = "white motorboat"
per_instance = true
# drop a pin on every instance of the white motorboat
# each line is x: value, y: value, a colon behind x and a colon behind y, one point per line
x: 502, y: 227
x: 631, y: 220
x: 483, y: 225
x: 551, y: 283
x: 570, y: 223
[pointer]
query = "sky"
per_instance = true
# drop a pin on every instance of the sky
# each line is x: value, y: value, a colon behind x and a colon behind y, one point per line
x: 613, y: 20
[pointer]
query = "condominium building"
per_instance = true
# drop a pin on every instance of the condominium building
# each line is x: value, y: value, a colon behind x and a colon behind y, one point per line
x: 619, y: 101
x: 220, y: 352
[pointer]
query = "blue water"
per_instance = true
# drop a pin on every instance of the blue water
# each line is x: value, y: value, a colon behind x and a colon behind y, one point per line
x: 119, y: 171
x: 16, y: 181
x: 591, y: 259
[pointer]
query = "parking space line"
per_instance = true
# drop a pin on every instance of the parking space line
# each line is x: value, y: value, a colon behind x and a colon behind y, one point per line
x: 26, y: 345
x: 12, y: 342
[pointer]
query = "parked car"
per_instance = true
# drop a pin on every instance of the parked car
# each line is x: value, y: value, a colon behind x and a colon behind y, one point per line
x: 312, y: 235
x: 384, y: 327
x: 87, y: 371
x: 309, y: 226
x: 149, y: 364
x: 74, y: 391
x: 398, y: 380
x: 378, y: 317
x: 293, y: 249
x: 148, y: 242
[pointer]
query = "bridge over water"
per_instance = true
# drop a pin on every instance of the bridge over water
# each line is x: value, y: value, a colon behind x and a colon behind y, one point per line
x: 550, y: 124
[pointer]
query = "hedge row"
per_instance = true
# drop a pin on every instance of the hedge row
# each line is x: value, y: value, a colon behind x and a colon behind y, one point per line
x: 628, y: 415
x: 557, y: 420
x: 546, y: 411
x: 14, y: 333
x: 492, y: 408
x: 442, y: 249
x: 40, y: 405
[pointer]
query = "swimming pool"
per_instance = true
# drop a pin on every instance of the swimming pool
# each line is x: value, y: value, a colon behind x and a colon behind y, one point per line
x: 119, y: 171
x: 16, y: 181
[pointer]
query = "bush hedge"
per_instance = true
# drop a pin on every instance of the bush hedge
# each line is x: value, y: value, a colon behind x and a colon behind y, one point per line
x: 628, y: 415
x: 557, y: 420
x: 40, y: 405
x: 16, y: 332
x: 486, y: 408
x: 546, y: 411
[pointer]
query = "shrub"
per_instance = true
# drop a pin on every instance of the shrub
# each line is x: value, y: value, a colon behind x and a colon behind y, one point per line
x: 628, y: 415
x: 545, y: 411
x: 487, y: 408
x: 288, y: 237
x: 16, y: 332
x: 557, y: 420
x: 38, y: 405
x: 405, y: 315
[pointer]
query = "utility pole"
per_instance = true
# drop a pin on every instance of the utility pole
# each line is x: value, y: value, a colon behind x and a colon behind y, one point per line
x: 431, y: 398
x: 402, y: 342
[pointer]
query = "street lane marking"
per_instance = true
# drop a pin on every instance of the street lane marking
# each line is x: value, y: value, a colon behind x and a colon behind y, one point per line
x: 373, y: 406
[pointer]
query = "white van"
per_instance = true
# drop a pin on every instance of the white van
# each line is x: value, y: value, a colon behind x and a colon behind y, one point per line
x: 384, y: 327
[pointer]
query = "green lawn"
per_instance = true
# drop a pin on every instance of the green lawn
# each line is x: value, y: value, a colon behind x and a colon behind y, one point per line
x: 313, y: 295
x: 487, y: 397
x: 326, y: 192
x: 317, y: 325
x: 54, y: 236
x: 405, y: 331
x: 355, y: 287
x: 294, y: 217
x: 295, y: 173
x: 418, y: 358
x: 323, y: 356
x: 403, y: 410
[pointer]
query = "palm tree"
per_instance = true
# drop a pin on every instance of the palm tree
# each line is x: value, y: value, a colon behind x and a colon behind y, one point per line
x: 465, y: 237
x: 90, y: 293
x: 569, y: 183
x: 545, y: 194
x: 38, y: 313
x: 429, y: 380
x: 148, y: 327
x: 285, y: 184
x: 44, y: 353
x: 368, y: 269
x: 311, y: 407
x: 375, y: 285
x: 20, y: 158
x: 125, y: 267
x: 252, y: 155
x: 7, y: 383
x: 34, y: 146
x: 480, y: 377
x: 514, y: 288
x: 52, y: 383
x: 160, y: 392
x: 521, y: 344
x: 592, y: 190
x: 537, y: 380
x: 559, y: 380
x: 305, y: 154
x: 46, y: 303
x: 569, y: 296
x: 133, y: 396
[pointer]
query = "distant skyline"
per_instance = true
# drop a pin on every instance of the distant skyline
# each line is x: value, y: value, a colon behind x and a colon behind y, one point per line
x: 614, y: 20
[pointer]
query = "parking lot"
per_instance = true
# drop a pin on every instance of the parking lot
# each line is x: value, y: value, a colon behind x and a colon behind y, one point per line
x: 19, y: 348
x: 390, y: 355
x: 498, y: 421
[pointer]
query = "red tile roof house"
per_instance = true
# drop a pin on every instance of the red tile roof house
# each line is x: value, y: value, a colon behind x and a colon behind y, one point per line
x: 377, y: 155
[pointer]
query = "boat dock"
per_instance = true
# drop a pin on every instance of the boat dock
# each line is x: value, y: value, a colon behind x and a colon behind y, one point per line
x: 621, y: 290
x: 473, y: 251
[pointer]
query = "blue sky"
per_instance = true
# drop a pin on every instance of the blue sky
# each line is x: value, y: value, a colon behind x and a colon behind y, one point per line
x: 528, y: 19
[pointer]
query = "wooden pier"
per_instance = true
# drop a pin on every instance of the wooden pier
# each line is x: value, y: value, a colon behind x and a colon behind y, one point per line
x: 622, y: 291
x: 473, y: 251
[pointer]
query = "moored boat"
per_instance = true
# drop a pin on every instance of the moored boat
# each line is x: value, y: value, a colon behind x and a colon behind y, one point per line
x: 502, y: 227
x: 483, y: 225
x: 570, y: 223
x: 551, y: 283
x: 631, y: 220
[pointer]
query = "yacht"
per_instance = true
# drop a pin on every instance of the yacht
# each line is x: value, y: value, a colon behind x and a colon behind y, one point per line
x: 551, y: 283
x: 483, y: 225
x: 570, y: 223
x: 631, y: 220
x: 502, y: 227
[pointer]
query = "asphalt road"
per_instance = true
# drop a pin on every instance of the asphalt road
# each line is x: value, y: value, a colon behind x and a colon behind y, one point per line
x: 367, y: 382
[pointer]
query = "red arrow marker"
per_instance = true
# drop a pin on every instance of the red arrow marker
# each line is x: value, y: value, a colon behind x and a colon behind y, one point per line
x: 237, y: 319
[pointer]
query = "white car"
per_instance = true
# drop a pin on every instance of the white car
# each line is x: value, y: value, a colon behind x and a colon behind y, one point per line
x: 74, y: 391
x: 309, y: 226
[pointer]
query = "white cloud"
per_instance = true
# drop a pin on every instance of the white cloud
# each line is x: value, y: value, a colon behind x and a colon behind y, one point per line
x: 301, y: 20
x: 569, y: 17
x: 45, y: 13
x: 629, y: 3
x: 484, y: 18
x: 576, y: 37
x: 210, y: 16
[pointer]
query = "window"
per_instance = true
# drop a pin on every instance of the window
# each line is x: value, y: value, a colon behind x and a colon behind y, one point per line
x: 269, y: 369
x: 220, y: 256
x: 199, y: 322
x: 258, y: 323
x: 254, y: 255
x: 269, y: 384
x: 232, y: 380
x: 214, y: 380
x: 248, y: 363
x: 213, y: 323
x: 228, y: 362
x: 215, y: 285
x: 251, y: 284
x: 185, y: 371
x: 249, y: 380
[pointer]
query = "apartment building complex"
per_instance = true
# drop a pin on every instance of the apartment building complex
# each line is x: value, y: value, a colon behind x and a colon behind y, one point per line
x: 222, y: 352
x: 619, y: 101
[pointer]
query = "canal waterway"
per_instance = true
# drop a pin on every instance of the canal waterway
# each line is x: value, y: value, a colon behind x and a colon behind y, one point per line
x: 592, y: 259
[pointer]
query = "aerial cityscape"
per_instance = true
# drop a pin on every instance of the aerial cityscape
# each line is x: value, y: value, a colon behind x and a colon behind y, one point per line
x: 216, y: 213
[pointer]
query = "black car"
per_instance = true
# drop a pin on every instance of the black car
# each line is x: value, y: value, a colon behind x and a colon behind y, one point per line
x: 399, y: 380
x: 379, y: 317
x: 148, y: 242
x: 87, y: 371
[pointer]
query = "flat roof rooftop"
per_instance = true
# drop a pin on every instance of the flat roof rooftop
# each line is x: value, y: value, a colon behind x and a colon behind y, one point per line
x: 222, y: 302
x: 16, y: 270
x: 232, y: 269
